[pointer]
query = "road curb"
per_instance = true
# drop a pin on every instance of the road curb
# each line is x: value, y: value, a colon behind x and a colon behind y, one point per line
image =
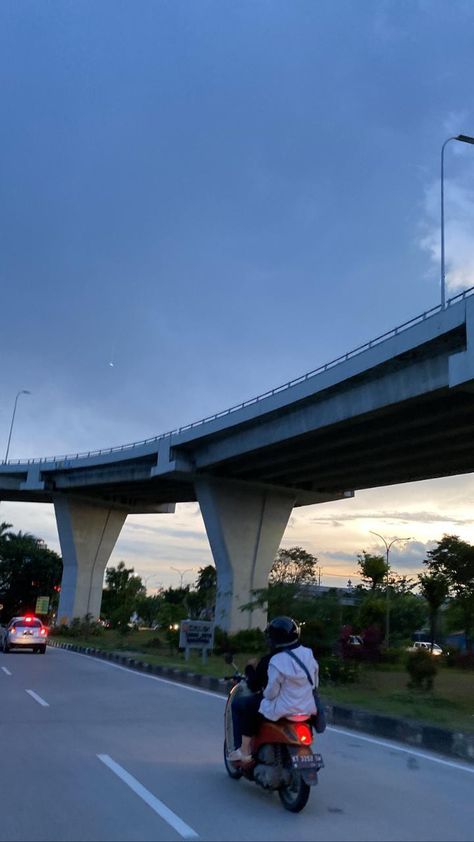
x: 417, y: 734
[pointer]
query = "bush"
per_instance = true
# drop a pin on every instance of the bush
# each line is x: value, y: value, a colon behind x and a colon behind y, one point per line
x: 154, y: 643
x: 314, y: 635
x: 247, y: 640
x: 421, y: 668
x: 172, y: 639
x: 449, y: 656
x: 335, y: 670
x: 86, y: 627
x: 464, y: 660
x: 221, y: 641
x: 393, y: 655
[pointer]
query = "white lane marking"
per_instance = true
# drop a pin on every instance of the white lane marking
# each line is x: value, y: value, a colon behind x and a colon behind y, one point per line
x: 37, y: 698
x: 222, y: 698
x: 7, y: 672
x: 145, y: 675
x: 163, y: 811
x: 396, y: 747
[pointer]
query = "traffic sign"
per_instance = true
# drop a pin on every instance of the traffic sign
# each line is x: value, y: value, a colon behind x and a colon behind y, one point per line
x: 42, y: 605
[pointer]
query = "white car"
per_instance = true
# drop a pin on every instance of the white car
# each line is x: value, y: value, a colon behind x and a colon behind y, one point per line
x: 25, y: 633
x: 426, y: 645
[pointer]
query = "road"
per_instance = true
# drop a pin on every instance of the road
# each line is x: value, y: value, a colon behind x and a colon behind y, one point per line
x: 93, y: 751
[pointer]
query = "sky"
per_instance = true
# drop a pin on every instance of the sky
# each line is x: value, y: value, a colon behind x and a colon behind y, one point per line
x: 202, y: 200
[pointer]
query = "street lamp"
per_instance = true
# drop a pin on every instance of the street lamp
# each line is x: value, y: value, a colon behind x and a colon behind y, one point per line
x: 464, y: 138
x: 21, y: 392
x: 181, y: 573
x: 146, y: 579
x: 387, y: 602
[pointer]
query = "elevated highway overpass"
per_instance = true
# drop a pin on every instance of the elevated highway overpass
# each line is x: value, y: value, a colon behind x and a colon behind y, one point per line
x: 396, y: 410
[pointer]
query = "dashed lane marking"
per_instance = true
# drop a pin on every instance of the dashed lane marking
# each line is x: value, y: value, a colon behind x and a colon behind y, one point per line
x: 37, y: 698
x: 184, y: 830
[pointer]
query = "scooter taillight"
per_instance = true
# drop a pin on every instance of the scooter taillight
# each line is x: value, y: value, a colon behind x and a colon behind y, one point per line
x: 303, y: 732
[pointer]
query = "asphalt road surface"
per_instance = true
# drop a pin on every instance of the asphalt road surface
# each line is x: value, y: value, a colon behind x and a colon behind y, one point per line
x: 93, y: 751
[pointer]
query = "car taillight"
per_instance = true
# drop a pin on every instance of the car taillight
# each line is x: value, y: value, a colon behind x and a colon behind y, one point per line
x: 12, y: 631
x: 43, y: 632
x: 303, y: 732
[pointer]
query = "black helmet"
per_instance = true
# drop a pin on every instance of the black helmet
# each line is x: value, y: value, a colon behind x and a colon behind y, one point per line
x: 282, y: 631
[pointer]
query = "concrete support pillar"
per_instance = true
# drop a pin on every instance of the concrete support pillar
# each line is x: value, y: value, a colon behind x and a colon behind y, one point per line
x: 87, y: 535
x: 245, y: 525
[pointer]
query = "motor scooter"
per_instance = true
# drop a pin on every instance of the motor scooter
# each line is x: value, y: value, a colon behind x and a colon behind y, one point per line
x: 282, y: 753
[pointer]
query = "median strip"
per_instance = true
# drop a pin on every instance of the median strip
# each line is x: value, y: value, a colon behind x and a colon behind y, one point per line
x: 37, y: 698
x: 161, y: 809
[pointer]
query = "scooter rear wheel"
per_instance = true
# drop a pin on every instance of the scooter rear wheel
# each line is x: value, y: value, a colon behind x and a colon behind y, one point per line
x: 232, y: 770
x: 294, y: 796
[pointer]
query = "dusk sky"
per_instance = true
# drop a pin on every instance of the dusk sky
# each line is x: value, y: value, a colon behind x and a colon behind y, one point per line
x: 202, y: 200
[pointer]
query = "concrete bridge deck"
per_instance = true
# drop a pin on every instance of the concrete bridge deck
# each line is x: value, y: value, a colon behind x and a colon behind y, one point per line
x: 397, y: 410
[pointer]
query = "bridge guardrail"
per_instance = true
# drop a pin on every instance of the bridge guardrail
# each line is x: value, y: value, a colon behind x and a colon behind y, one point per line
x: 251, y: 401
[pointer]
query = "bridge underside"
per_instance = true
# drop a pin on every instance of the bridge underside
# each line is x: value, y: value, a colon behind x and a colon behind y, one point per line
x: 401, y: 412
x: 423, y: 438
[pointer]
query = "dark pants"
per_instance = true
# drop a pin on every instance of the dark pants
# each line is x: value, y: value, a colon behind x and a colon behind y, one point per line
x: 245, y: 716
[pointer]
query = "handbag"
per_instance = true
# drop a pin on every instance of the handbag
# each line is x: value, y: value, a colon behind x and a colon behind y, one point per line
x: 319, y: 718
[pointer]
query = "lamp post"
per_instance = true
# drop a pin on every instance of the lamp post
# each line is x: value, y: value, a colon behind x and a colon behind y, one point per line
x: 21, y: 392
x: 146, y: 579
x: 463, y: 138
x: 387, y: 601
x: 181, y: 573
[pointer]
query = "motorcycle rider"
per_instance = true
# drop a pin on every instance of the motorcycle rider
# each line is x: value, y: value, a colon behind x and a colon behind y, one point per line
x: 279, y: 685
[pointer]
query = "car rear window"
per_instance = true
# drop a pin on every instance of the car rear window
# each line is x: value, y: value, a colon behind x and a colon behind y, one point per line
x: 32, y: 624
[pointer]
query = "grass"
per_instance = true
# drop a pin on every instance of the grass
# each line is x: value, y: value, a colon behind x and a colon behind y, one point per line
x: 380, y: 689
x: 450, y: 705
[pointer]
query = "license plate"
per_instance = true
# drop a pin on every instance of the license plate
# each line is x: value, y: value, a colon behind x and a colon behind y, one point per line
x: 307, y: 761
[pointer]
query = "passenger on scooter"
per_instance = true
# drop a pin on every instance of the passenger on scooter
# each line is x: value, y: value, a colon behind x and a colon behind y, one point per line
x: 279, y: 685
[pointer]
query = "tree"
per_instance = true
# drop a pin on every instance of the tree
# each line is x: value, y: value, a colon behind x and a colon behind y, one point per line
x: 120, y: 595
x: 291, y: 571
x: 434, y: 588
x: 28, y: 569
x: 373, y: 569
x: 148, y: 607
x: 454, y: 559
x: 4, y: 529
x: 293, y: 566
x: 205, y: 593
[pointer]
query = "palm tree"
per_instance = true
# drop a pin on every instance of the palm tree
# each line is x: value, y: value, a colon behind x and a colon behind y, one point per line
x: 4, y: 527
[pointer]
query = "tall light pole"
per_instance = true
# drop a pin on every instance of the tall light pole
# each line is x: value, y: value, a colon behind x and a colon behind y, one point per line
x: 21, y: 392
x: 387, y: 601
x: 464, y: 138
x: 181, y: 573
x: 146, y: 579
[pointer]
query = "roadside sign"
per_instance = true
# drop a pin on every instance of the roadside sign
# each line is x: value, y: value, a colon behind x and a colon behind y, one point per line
x: 42, y: 605
x: 196, y: 634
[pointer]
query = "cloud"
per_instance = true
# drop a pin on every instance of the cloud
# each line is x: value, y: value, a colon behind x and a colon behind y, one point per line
x: 394, y: 516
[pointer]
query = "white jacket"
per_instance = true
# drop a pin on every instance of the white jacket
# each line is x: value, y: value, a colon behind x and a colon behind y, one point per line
x: 288, y: 692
